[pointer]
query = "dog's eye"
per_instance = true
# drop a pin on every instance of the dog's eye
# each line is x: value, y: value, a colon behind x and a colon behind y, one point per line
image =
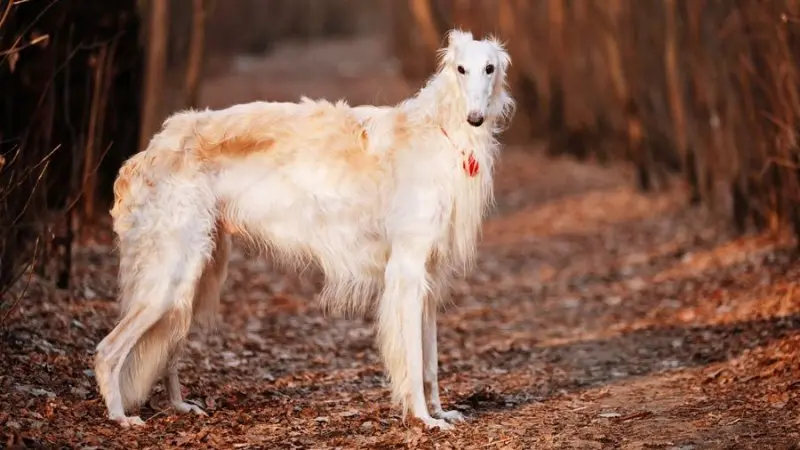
x: 461, y: 70
x: 489, y: 69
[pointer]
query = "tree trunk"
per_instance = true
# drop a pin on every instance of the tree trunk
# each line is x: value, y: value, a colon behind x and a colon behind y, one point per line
x: 194, y: 69
x: 158, y: 22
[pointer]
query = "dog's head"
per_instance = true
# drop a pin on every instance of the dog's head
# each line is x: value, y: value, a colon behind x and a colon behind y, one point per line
x: 480, y: 68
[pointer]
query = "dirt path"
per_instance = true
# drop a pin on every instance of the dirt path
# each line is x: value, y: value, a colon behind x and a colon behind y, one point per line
x: 597, y: 318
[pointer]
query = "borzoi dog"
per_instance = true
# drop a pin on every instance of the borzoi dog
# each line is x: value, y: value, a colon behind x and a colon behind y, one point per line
x: 388, y: 201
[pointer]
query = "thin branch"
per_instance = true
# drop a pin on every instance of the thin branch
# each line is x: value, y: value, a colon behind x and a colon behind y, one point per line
x: 44, y: 160
x: 31, y: 25
x: 34, y: 41
x: 13, y: 281
x: 6, y: 13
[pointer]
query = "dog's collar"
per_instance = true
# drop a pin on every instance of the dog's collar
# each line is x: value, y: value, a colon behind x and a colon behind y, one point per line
x: 468, y: 163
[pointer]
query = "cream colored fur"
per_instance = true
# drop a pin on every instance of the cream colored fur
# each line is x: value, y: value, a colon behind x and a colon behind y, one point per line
x: 376, y: 196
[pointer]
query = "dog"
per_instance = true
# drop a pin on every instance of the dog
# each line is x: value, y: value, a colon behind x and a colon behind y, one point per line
x: 387, y: 200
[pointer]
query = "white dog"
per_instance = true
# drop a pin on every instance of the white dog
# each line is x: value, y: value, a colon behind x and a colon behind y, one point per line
x: 388, y: 201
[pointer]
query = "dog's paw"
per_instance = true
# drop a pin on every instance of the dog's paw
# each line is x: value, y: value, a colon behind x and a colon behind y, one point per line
x: 450, y: 416
x: 430, y: 422
x: 185, y: 408
x: 128, y: 421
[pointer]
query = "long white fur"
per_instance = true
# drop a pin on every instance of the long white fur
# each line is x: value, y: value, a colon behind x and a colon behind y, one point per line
x: 376, y: 196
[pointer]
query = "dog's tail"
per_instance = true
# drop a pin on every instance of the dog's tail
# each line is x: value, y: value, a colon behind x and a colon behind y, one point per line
x: 165, y: 217
x: 151, y: 355
x: 160, y: 345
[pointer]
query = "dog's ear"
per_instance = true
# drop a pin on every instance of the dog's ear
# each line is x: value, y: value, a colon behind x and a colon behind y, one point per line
x: 456, y: 36
x: 502, y: 53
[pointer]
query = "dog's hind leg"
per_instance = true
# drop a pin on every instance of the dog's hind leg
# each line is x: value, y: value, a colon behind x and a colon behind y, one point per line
x: 431, y: 366
x: 206, y: 301
x: 400, y: 327
x: 131, y: 356
x: 159, y: 272
x: 173, y: 384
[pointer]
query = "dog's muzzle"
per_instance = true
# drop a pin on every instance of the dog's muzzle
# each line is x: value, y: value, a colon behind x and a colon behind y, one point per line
x: 475, y: 119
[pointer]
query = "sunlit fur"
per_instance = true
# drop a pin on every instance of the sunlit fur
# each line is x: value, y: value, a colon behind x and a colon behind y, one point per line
x: 376, y: 196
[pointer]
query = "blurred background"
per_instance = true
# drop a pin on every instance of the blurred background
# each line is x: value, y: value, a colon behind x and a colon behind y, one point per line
x: 703, y: 92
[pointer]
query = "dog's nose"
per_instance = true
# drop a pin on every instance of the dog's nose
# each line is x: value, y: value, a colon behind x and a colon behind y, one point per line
x: 475, y: 119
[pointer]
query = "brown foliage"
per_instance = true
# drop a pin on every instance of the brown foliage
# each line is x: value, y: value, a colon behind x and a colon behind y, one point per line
x: 705, y: 87
x: 597, y: 318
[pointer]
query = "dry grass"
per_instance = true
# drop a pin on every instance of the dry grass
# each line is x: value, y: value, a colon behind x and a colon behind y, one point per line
x: 709, y: 88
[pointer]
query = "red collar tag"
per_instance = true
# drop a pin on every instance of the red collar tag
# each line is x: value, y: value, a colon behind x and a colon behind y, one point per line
x: 470, y: 164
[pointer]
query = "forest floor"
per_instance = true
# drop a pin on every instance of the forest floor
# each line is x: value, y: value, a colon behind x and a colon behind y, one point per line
x: 598, y: 317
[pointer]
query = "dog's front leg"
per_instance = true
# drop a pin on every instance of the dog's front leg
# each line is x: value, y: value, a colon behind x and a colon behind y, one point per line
x: 431, y: 366
x: 400, y: 330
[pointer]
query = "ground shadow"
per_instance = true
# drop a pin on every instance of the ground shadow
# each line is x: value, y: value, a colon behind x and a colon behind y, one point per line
x: 593, y: 363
